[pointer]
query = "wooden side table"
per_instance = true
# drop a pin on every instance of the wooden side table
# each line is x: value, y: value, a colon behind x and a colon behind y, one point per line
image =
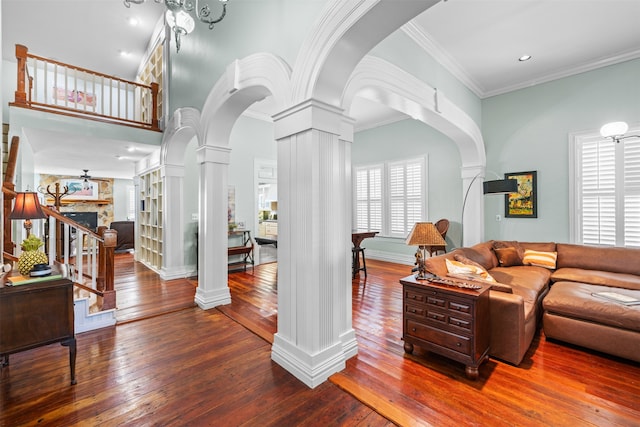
x: 35, y: 315
x: 447, y: 320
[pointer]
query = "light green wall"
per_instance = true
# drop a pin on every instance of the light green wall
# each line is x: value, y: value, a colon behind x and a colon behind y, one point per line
x: 401, y: 50
x: 528, y: 130
x: 409, y: 139
x: 205, y: 54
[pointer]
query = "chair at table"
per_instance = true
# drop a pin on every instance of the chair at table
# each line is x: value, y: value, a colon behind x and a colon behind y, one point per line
x: 442, y: 226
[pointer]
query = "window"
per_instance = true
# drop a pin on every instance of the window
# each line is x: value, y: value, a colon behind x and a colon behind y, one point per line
x: 390, y: 197
x: 606, y: 191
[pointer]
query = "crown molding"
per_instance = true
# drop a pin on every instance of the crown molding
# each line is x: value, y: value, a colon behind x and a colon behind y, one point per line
x: 589, y: 66
x: 422, y: 39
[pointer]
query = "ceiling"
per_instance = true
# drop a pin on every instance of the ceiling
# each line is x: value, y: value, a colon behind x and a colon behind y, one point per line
x: 478, y: 41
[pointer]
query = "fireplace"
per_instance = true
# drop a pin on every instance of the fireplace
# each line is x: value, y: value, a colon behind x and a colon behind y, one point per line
x: 86, y: 219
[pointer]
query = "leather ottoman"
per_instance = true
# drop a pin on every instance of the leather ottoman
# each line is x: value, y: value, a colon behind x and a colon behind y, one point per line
x: 574, y: 315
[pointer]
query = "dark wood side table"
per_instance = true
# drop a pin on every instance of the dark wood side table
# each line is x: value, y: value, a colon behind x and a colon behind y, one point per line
x: 35, y: 315
x: 447, y: 320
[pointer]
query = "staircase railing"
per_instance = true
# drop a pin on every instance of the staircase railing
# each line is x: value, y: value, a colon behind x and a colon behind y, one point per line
x: 48, y: 85
x: 86, y: 257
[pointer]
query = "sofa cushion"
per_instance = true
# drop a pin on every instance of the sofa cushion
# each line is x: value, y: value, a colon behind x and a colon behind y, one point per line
x: 508, y: 257
x: 527, y: 281
x: 540, y: 258
x: 507, y: 244
x: 597, y: 277
x: 571, y: 299
x: 618, y: 260
x: 482, y: 253
x: 539, y: 246
x: 437, y: 265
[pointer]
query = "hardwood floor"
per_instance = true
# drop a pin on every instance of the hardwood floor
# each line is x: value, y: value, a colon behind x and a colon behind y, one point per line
x: 194, y: 367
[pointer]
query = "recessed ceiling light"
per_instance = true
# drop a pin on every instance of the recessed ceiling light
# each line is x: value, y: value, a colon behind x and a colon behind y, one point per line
x: 124, y: 53
x: 133, y: 21
x: 131, y: 149
x: 524, y: 58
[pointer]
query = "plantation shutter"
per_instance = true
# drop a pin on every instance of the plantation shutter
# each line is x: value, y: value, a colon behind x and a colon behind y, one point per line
x: 598, y: 193
x: 369, y: 198
x: 609, y: 192
x: 632, y: 193
x: 406, y: 198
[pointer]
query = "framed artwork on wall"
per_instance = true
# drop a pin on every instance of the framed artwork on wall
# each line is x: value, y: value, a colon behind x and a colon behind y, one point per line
x: 524, y: 203
x: 81, y: 189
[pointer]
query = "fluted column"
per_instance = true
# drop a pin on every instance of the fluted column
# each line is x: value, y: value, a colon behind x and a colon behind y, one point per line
x: 213, y: 228
x: 315, y: 335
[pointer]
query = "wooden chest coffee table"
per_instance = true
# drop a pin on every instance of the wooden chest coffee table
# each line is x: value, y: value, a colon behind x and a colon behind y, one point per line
x: 447, y: 320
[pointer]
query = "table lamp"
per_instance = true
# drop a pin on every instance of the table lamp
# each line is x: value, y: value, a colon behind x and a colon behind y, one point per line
x: 27, y: 207
x: 424, y: 234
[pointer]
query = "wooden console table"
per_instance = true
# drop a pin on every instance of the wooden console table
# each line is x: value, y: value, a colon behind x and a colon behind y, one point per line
x: 450, y: 321
x: 35, y: 315
x: 244, y: 252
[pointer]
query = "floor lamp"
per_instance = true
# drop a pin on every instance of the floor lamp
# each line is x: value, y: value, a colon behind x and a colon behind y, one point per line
x: 498, y: 186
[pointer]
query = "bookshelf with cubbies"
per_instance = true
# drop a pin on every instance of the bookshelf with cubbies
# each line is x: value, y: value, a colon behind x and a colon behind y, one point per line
x: 150, y: 220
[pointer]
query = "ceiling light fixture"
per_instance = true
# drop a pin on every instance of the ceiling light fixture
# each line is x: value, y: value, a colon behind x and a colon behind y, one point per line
x: 616, y: 131
x: 179, y: 18
x: 524, y: 58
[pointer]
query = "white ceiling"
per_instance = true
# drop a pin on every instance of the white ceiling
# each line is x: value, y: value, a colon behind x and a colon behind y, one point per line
x: 479, y: 41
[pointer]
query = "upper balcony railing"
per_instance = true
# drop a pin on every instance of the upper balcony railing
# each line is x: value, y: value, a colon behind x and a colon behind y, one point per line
x: 56, y: 87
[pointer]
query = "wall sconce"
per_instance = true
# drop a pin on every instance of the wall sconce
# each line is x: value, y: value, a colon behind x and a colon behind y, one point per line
x: 424, y: 234
x: 498, y: 186
x: 27, y: 207
x: 616, y: 131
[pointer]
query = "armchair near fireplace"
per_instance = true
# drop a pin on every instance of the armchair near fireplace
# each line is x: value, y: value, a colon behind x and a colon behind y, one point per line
x: 126, y: 235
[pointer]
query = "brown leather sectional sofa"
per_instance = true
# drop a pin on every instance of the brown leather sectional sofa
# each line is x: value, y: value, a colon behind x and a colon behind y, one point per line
x: 571, y: 312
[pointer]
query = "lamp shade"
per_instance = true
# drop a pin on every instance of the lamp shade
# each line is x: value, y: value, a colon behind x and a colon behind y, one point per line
x: 27, y: 206
x: 425, y: 234
x: 500, y: 186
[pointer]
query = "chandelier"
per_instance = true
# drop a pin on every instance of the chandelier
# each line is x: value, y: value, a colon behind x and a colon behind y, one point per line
x: 179, y: 18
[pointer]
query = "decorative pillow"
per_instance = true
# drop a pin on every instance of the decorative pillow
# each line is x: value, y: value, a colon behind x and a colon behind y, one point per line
x: 463, y: 259
x: 540, y: 259
x: 508, y: 257
x: 501, y: 244
x: 457, y: 267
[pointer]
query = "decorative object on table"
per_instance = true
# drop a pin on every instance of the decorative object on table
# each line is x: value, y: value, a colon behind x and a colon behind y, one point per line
x: 27, y: 207
x: 423, y: 234
x: 180, y: 20
x: 522, y: 203
x: 30, y: 255
x: 498, y: 186
x: 616, y: 131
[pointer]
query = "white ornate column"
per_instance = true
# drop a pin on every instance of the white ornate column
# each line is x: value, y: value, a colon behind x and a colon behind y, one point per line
x: 213, y: 289
x: 315, y: 335
x: 172, y: 223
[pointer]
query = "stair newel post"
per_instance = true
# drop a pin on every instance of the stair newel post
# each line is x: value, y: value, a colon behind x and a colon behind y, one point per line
x: 154, y: 105
x: 21, y: 56
x: 102, y: 259
x: 107, y: 250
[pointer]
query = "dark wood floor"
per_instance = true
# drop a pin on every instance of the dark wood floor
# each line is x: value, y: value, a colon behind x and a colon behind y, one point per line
x: 195, y: 367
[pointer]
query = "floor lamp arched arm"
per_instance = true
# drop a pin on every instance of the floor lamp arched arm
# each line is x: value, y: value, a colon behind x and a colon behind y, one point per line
x: 464, y: 203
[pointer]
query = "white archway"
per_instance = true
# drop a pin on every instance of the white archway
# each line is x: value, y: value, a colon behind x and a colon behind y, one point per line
x: 315, y: 335
x: 244, y: 82
x: 378, y: 80
x: 181, y: 129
